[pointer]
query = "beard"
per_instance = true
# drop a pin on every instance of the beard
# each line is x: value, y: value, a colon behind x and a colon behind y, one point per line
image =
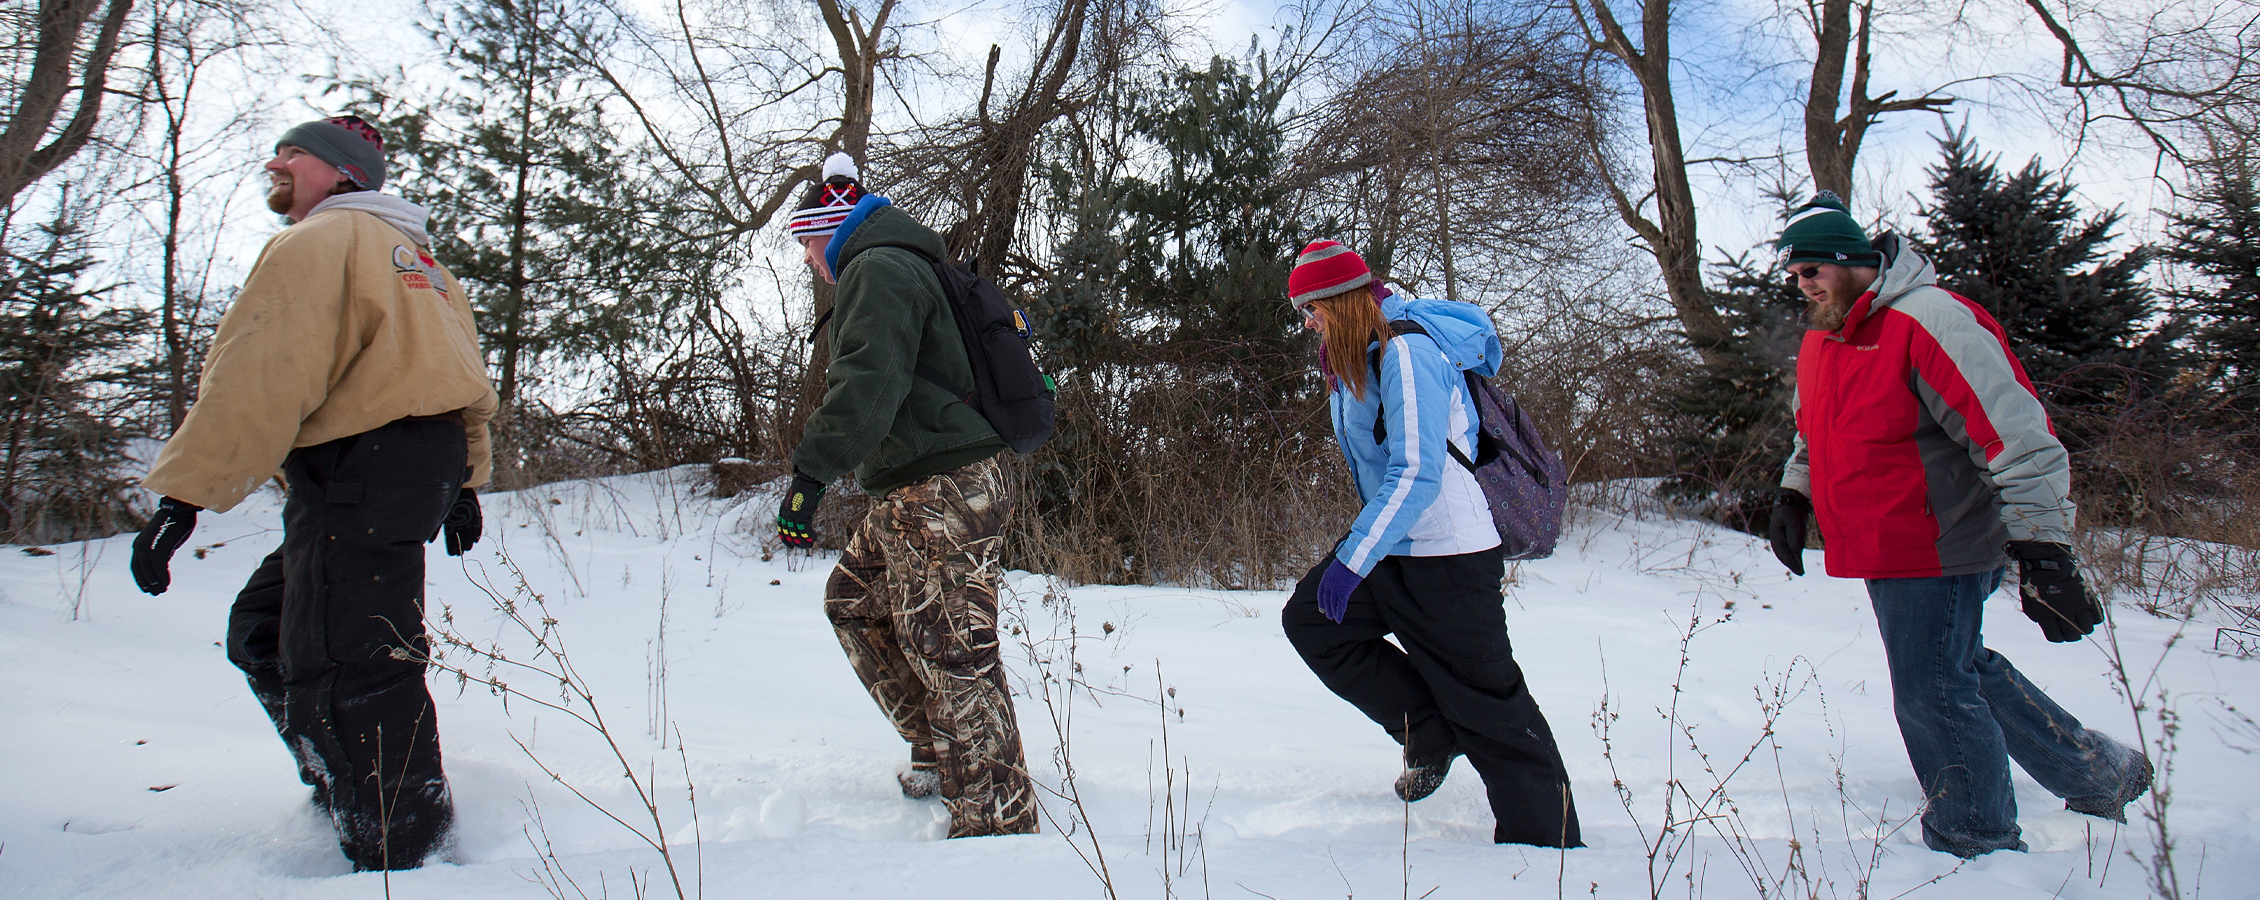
x: 279, y: 198
x: 1827, y: 315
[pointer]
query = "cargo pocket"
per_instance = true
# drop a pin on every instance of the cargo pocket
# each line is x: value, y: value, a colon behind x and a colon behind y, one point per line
x: 952, y: 631
x: 406, y: 513
x: 947, y: 617
x: 341, y: 525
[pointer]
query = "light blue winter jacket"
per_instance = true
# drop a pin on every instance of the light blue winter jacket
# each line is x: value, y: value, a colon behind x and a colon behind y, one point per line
x: 1419, y: 501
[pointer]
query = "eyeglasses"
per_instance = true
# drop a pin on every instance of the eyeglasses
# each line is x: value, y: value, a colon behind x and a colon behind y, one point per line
x: 1807, y: 273
x: 1309, y: 311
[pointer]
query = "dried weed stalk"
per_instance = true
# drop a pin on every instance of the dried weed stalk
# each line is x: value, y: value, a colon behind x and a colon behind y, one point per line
x: 551, y: 666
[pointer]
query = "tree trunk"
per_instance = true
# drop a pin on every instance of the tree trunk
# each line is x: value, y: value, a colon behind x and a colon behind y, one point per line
x: 49, y: 80
x: 176, y: 341
x: 1672, y: 235
x: 859, y: 53
x: 1826, y: 149
x: 514, y: 295
x: 1832, y: 142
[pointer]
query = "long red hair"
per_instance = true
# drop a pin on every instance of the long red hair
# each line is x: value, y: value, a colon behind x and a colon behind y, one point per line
x: 1353, y: 320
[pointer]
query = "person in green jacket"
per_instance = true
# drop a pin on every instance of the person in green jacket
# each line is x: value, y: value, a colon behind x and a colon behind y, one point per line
x: 914, y: 597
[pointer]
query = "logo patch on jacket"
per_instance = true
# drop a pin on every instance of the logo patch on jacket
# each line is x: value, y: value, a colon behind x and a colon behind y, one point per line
x: 417, y: 270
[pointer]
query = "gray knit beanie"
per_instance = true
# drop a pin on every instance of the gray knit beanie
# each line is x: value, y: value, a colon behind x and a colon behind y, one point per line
x: 352, y: 145
x: 1823, y: 231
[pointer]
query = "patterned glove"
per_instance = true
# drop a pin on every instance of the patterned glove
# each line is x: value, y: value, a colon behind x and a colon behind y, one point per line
x: 1334, y: 589
x: 153, y: 547
x: 1786, y: 529
x: 464, y: 522
x: 2053, y: 593
x: 796, y: 515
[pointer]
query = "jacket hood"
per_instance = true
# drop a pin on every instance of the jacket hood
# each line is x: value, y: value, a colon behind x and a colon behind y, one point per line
x: 398, y: 213
x: 875, y: 222
x: 1903, y: 271
x: 1463, y: 330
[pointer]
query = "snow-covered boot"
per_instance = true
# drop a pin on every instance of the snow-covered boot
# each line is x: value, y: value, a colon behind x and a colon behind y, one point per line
x: 922, y: 779
x: 2114, y: 807
x: 1421, y: 779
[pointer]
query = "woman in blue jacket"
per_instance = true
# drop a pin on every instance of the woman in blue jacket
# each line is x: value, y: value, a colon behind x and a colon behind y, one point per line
x: 1422, y: 561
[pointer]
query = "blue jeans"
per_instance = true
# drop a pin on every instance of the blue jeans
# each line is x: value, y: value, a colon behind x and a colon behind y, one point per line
x: 1964, y: 712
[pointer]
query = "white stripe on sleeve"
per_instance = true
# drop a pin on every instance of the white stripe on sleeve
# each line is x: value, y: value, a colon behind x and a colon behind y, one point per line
x: 1409, y: 415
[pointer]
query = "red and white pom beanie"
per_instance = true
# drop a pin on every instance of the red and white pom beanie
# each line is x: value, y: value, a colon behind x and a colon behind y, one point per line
x: 828, y: 204
x: 1324, y: 269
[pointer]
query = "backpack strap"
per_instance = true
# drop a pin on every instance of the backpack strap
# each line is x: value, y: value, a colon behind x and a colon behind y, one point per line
x: 1380, y: 426
x: 921, y: 370
x: 817, y: 330
x: 932, y: 377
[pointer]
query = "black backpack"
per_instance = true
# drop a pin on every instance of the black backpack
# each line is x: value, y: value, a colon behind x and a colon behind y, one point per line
x: 1008, y: 389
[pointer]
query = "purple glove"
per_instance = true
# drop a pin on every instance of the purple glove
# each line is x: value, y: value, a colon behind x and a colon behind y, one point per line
x: 1334, y: 590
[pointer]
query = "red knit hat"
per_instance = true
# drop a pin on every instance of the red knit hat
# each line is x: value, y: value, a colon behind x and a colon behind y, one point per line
x: 1324, y: 269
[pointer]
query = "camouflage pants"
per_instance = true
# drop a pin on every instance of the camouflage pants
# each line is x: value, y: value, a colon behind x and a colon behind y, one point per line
x: 914, y: 601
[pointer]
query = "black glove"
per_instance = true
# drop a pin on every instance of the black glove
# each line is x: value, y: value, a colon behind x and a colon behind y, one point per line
x: 2054, y: 595
x: 153, y: 547
x: 464, y: 522
x: 1786, y: 529
x: 795, y: 515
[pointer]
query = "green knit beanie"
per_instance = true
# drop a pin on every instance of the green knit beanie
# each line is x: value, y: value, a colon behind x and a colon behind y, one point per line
x: 1822, y: 231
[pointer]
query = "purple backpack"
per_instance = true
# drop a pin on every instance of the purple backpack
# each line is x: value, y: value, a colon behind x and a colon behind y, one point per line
x: 1526, y: 483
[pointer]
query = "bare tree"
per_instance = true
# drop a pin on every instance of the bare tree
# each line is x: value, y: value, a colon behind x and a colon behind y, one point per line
x: 1670, y: 235
x: 2162, y: 69
x: 62, y: 63
x: 1832, y: 142
x: 1446, y: 144
x: 186, y: 40
x: 754, y: 95
x: 744, y: 112
x: 980, y: 162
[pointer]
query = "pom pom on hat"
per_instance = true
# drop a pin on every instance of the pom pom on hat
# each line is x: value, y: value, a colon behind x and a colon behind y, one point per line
x: 830, y: 201
x: 1823, y: 230
x: 346, y: 142
x: 1323, y: 269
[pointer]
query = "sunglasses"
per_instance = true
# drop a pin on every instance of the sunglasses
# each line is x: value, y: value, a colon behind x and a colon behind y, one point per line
x: 1807, y: 273
x: 1309, y: 310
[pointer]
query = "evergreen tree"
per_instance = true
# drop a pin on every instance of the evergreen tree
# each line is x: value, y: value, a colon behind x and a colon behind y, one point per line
x: 1183, y: 370
x: 568, y: 246
x: 1207, y: 240
x: 2017, y: 244
x: 1192, y: 256
x: 68, y: 367
x: 1734, y: 430
x: 2219, y: 237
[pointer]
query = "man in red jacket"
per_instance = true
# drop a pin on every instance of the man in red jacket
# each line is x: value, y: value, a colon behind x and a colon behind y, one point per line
x: 1928, y: 460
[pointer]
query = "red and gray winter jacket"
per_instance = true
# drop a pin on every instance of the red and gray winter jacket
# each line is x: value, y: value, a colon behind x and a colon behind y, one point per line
x: 1919, y: 438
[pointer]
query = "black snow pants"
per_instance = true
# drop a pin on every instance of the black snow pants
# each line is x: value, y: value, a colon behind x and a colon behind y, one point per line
x: 317, y: 626
x: 1454, y: 688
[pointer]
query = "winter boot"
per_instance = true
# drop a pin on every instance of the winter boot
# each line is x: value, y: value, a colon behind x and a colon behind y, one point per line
x: 922, y: 779
x: 1422, y: 778
x: 2114, y: 806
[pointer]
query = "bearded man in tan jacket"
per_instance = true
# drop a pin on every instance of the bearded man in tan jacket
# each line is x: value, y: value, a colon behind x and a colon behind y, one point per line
x: 351, y: 363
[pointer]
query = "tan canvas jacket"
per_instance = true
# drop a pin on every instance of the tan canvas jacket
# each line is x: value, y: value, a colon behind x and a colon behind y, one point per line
x: 345, y: 324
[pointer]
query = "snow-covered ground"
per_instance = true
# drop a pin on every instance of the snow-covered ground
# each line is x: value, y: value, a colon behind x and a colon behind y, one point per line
x: 136, y: 764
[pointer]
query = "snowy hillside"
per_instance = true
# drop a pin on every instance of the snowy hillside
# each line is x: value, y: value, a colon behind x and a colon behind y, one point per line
x: 138, y: 765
